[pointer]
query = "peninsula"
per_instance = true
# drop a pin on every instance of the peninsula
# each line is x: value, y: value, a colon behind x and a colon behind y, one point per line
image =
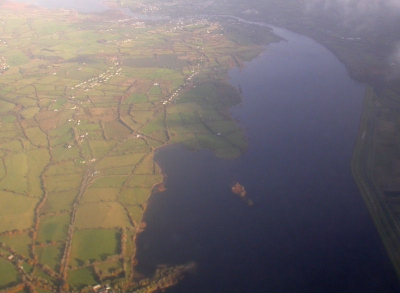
x: 85, y: 100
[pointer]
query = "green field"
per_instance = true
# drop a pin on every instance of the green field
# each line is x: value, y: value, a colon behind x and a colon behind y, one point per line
x: 9, y: 275
x: 118, y: 161
x: 38, y: 159
x: 91, y: 245
x: 59, y: 201
x: 53, y: 229
x: 20, y: 243
x: 17, y: 168
x: 135, y: 196
x: 100, y: 194
x: 85, y: 102
x: 16, y: 211
x: 101, y: 147
x: 103, y: 214
x: 110, y: 182
x: 50, y: 256
x: 81, y: 278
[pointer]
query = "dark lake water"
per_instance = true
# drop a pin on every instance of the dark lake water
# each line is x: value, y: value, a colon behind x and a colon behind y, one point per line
x: 309, y: 230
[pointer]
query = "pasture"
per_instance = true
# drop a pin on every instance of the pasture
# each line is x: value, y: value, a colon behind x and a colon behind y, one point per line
x: 9, y: 276
x: 81, y: 278
x: 54, y: 228
x: 59, y: 201
x: 101, y: 215
x: 16, y: 211
x: 135, y: 196
x: 91, y: 245
x: 100, y: 194
x: 17, y: 169
x: 50, y: 255
x: 20, y: 243
x: 81, y: 117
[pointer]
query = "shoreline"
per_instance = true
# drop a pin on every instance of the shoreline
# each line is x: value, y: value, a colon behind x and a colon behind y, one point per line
x: 362, y: 170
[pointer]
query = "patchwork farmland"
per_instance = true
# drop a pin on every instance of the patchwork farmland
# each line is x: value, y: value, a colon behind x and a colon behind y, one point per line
x: 85, y: 100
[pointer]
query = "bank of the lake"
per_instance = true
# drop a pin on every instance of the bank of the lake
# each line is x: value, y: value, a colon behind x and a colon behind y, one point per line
x: 309, y: 229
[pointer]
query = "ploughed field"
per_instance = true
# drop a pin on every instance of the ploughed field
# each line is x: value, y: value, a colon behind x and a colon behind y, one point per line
x: 85, y: 100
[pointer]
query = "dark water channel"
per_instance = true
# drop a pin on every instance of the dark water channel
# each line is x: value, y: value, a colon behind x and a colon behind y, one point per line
x: 309, y: 230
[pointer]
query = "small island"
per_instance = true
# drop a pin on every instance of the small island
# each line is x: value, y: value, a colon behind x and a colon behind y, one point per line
x: 86, y: 100
x: 239, y: 190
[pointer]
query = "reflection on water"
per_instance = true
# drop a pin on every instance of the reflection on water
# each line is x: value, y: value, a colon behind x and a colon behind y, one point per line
x: 308, y: 229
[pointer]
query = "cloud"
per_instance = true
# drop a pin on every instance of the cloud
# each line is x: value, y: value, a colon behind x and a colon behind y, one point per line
x: 352, y: 7
x: 394, y: 3
x: 357, y: 14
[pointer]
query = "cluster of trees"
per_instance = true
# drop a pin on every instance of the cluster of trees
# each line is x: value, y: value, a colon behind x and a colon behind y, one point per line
x: 32, y: 282
x: 36, y: 219
x: 5, y: 247
x: 18, y: 257
x: 29, y: 281
x: 123, y: 242
x: 13, y: 232
x: 67, y: 250
x: 14, y: 289
x: 47, y: 244
x: 68, y: 243
x: 110, y: 273
x: 47, y: 270
x: 110, y: 258
x: 163, y: 278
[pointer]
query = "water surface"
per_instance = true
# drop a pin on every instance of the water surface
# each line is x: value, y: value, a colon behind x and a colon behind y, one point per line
x: 309, y: 230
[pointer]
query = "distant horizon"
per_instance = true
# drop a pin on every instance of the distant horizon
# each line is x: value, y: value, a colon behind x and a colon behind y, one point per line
x: 79, y: 5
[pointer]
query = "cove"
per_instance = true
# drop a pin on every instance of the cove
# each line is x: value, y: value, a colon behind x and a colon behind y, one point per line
x: 309, y: 229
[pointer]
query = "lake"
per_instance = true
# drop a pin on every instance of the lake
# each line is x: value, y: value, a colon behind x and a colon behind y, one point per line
x: 309, y: 230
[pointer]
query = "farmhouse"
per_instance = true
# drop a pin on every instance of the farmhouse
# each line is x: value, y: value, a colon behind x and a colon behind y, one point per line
x: 102, y: 289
